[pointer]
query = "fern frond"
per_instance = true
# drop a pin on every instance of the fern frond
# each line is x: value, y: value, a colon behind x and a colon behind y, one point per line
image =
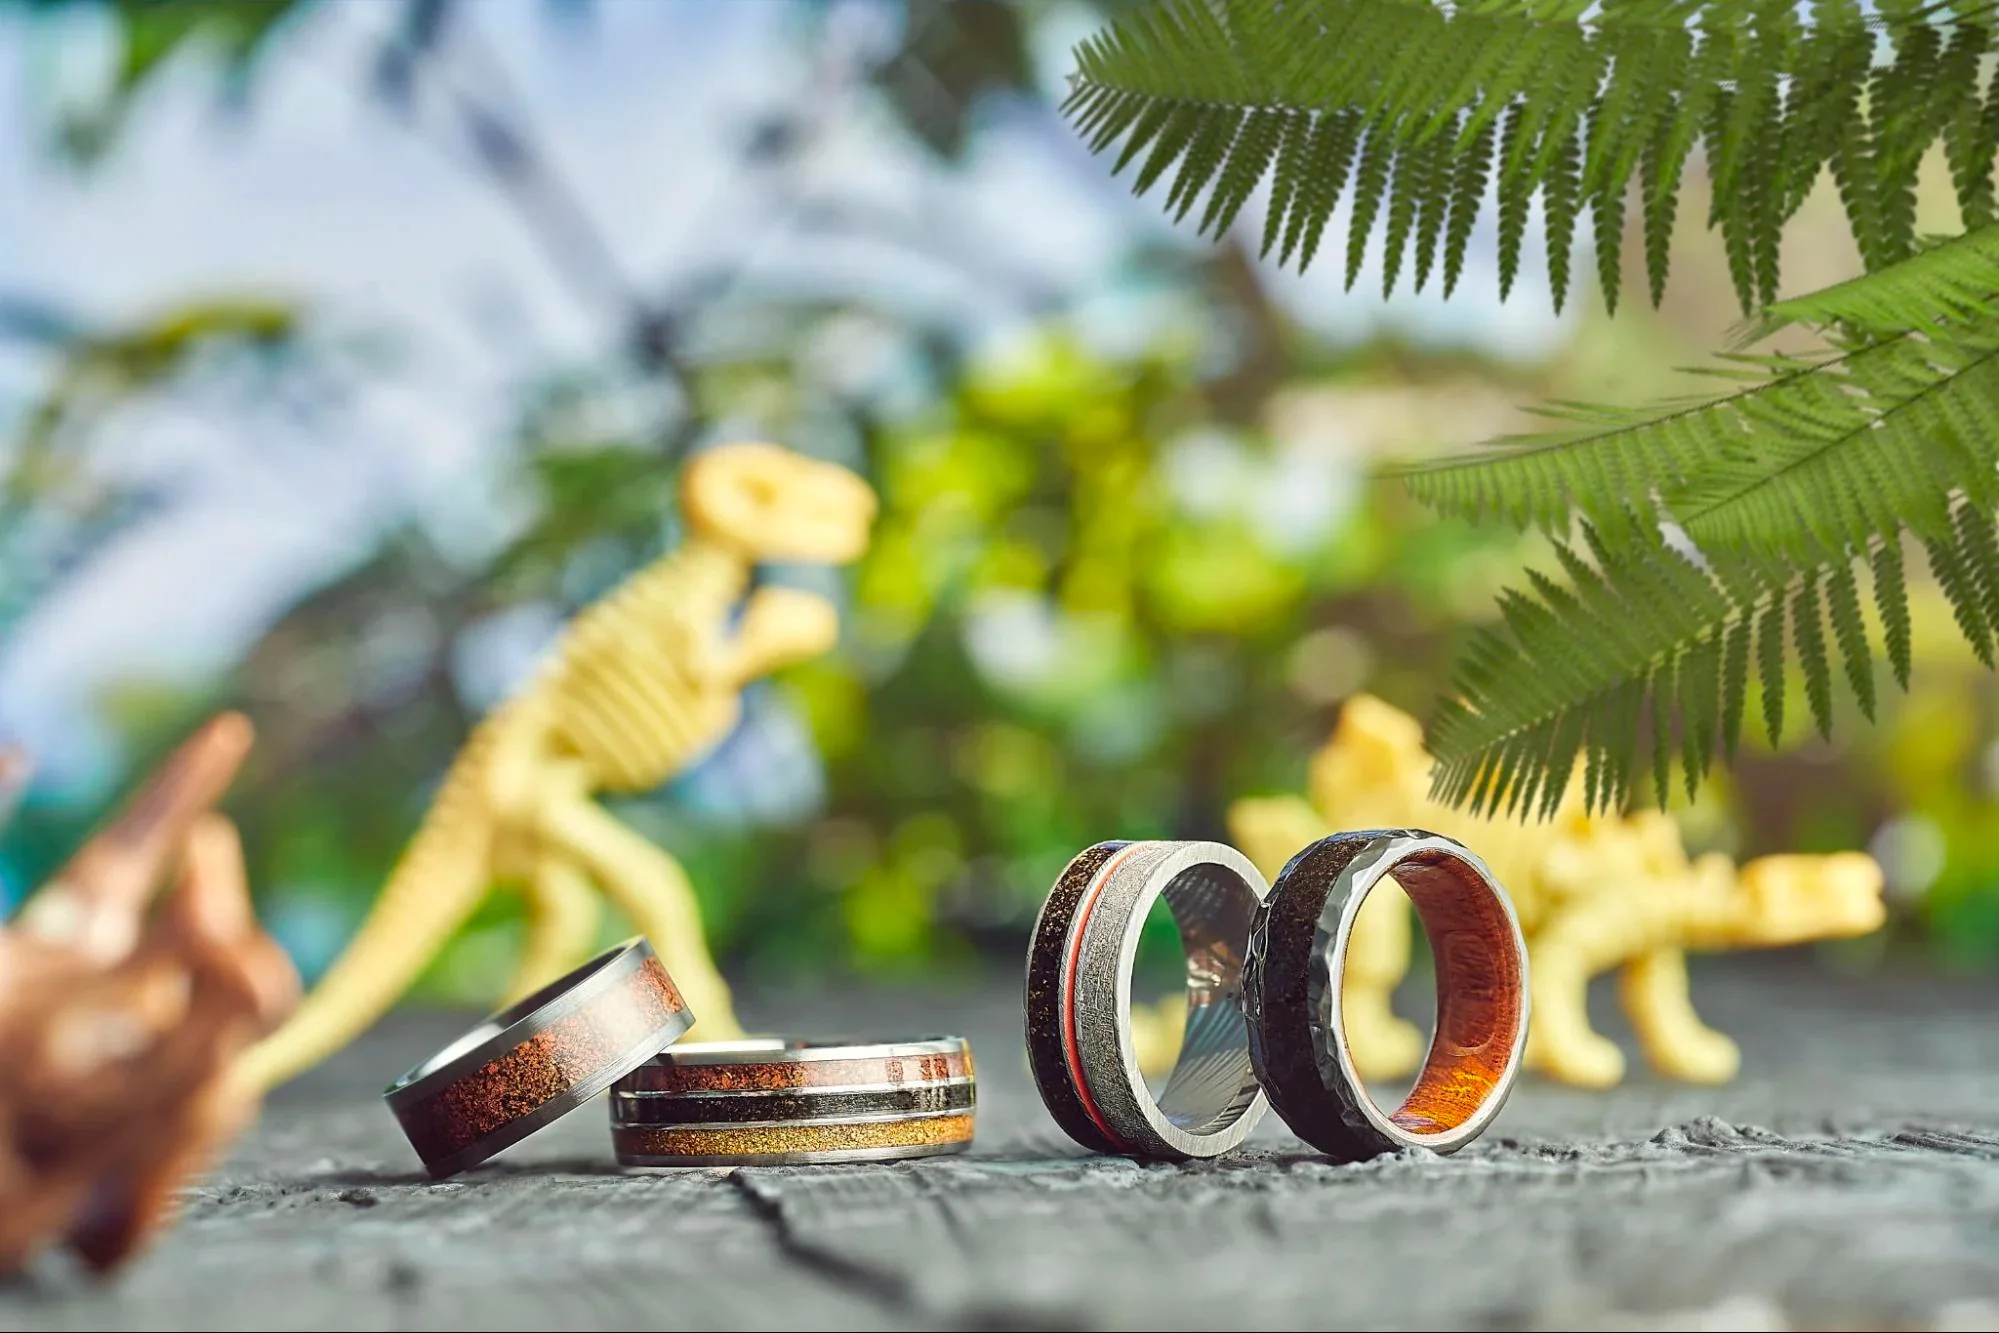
x: 1644, y: 656
x: 1770, y: 666
x: 1585, y: 99
x: 1843, y: 604
x: 1468, y: 181
x: 1891, y: 595
x: 1369, y: 185
x: 1515, y: 194
x: 1840, y: 449
x: 1949, y: 280
x: 1561, y: 196
x: 1738, y: 523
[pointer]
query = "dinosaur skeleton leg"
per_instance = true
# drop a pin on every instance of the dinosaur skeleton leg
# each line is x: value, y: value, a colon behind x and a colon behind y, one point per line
x: 563, y: 912
x: 440, y: 879
x: 1653, y: 987
x: 1560, y: 1041
x: 651, y: 889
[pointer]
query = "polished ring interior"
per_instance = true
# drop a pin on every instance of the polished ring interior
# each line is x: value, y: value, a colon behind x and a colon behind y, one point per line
x: 1298, y: 959
x: 775, y: 1101
x: 1079, y: 999
x: 538, y: 1060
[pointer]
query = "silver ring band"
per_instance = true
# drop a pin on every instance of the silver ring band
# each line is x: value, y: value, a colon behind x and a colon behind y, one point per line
x: 1079, y: 999
x: 1293, y: 982
x: 772, y: 1102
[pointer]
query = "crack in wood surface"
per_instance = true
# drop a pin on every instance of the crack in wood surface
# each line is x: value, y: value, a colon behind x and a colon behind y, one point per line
x: 766, y: 1199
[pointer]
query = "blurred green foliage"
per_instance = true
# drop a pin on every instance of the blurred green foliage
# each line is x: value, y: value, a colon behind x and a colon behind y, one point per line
x: 1111, y: 589
x: 233, y: 33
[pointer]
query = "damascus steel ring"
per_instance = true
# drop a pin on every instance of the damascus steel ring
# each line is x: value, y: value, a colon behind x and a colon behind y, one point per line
x: 539, y: 1060
x: 1079, y: 1039
x: 780, y: 1102
x: 1297, y: 960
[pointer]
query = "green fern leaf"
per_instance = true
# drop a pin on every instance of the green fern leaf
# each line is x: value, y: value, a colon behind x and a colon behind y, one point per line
x: 1203, y: 158
x: 1734, y: 683
x: 1514, y: 193
x: 1169, y: 145
x: 1370, y: 180
x: 1516, y: 699
x: 1333, y: 143
x: 1204, y: 89
x: 1247, y: 162
x: 1737, y: 241
x: 1659, y: 690
x: 1770, y: 666
x: 1436, y: 201
x: 1468, y: 184
x: 1979, y: 550
x: 1758, y: 134
x: 1956, y: 112
x: 1719, y: 530
x: 1661, y: 202
x: 1284, y: 181
x: 1860, y: 190
x: 1607, y: 224
x: 1606, y: 199
x: 1405, y: 194
x: 1891, y: 598
x: 1820, y: 97
x: 1954, y: 280
x: 1700, y: 686
x: 1899, y: 99
x: 1560, y: 202
x: 1843, y: 604
x: 1961, y: 591
x: 1801, y: 455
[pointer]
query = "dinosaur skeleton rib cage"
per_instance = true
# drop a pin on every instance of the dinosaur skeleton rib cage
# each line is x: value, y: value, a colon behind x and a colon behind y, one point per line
x: 624, y: 700
x: 631, y: 729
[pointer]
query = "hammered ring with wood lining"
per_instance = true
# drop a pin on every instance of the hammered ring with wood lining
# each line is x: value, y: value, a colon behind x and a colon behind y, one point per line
x: 1297, y: 963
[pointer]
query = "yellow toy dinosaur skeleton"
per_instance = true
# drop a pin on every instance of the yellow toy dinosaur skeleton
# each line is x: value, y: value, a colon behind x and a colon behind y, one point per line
x: 640, y: 685
x: 1594, y: 892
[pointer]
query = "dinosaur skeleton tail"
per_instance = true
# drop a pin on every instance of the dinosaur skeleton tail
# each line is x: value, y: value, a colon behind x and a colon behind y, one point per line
x: 439, y: 879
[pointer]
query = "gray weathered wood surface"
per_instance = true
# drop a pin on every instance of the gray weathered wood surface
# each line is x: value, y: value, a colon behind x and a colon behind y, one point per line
x: 1850, y: 1179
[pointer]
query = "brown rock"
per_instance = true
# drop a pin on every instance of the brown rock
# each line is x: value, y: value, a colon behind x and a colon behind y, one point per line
x: 118, y: 1021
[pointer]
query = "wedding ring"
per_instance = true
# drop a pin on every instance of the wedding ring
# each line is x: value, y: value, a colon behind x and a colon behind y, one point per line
x: 1297, y: 959
x: 539, y: 1060
x: 1079, y: 1038
x: 778, y: 1102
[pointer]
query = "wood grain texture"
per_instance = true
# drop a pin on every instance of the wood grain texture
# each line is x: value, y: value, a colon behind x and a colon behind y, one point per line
x: 1849, y: 1180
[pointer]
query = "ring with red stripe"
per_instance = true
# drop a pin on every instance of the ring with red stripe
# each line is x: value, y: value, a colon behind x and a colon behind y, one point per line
x: 1079, y: 999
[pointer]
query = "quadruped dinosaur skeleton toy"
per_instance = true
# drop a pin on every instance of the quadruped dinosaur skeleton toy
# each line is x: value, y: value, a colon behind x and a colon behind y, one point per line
x: 1596, y: 892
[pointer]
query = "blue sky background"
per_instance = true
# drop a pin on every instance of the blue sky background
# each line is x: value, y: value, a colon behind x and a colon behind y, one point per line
x: 319, y: 193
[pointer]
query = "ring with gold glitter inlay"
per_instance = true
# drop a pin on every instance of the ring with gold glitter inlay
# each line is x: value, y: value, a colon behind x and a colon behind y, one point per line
x: 789, y: 1102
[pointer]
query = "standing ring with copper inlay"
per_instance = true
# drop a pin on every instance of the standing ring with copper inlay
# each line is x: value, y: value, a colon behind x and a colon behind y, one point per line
x: 1297, y: 1031
x: 1079, y: 1039
x: 778, y: 1102
x: 539, y: 1060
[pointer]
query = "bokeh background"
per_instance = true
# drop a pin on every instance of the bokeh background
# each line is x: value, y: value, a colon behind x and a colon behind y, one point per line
x: 348, y: 348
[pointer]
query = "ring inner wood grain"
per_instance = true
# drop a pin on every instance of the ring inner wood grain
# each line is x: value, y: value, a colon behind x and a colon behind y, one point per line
x: 1479, y: 992
x: 1212, y: 1083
